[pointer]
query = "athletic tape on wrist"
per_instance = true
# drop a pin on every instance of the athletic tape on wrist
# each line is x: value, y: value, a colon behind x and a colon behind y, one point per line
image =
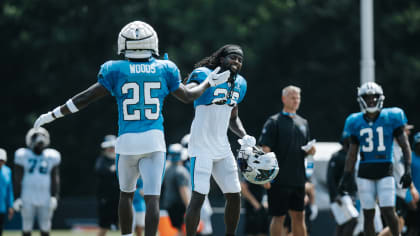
x: 57, y: 112
x: 71, y: 106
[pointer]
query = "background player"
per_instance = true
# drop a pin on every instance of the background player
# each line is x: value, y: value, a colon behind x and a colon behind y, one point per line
x: 139, y: 84
x: 6, y: 191
x: 107, y: 190
x: 139, y: 208
x: 371, y: 132
x: 209, y: 148
x: 36, y: 181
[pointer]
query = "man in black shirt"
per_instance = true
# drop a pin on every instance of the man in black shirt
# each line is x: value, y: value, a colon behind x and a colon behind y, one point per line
x: 107, y: 192
x: 284, y: 134
x: 334, y: 173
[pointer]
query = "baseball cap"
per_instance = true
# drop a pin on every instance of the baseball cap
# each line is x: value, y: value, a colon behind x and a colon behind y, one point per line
x: 3, y: 155
x: 416, y: 138
x: 109, y: 141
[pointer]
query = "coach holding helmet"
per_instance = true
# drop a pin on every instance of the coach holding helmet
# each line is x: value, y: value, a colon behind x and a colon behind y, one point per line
x: 284, y: 134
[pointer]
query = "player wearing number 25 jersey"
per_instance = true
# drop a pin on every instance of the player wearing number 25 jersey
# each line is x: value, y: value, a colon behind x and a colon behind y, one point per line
x: 139, y: 84
x: 371, y: 134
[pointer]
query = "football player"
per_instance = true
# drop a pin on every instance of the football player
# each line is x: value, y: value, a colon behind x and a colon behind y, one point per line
x: 139, y: 84
x: 36, y: 181
x: 216, y: 111
x: 371, y: 132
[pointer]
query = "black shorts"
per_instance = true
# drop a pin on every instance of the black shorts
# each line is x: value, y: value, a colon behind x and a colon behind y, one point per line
x: 413, y: 217
x: 108, y: 213
x: 283, y: 199
x: 256, y: 221
x: 176, y: 214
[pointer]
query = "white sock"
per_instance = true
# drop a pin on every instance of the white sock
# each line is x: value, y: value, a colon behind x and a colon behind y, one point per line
x: 127, y: 234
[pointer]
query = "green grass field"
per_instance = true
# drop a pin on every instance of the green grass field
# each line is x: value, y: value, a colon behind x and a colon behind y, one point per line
x: 60, y: 233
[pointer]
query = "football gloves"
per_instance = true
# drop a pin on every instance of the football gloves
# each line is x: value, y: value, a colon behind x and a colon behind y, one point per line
x: 247, y: 141
x: 216, y: 79
x: 406, y: 179
x: 17, y: 205
x: 44, y: 119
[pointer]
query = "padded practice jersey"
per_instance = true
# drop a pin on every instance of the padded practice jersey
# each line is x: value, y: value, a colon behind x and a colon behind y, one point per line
x: 36, y: 182
x: 375, y: 138
x: 140, y: 89
x: 212, y: 115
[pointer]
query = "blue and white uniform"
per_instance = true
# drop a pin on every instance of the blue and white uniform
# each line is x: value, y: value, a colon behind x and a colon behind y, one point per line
x: 36, y: 186
x: 375, y: 139
x: 140, y: 89
x: 209, y: 145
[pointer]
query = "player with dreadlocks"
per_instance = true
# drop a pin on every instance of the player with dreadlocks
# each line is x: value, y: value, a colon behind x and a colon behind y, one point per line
x: 216, y: 110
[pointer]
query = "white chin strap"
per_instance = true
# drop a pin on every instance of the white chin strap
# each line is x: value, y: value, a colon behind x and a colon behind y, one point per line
x: 138, y: 54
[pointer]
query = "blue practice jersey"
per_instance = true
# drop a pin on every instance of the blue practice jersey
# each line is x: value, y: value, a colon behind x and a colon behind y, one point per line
x: 140, y: 89
x: 214, y: 95
x: 375, y: 138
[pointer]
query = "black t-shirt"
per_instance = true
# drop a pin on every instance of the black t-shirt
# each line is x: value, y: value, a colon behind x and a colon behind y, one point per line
x: 335, y: 172
x: 285, y: 136
x: 107, y: 181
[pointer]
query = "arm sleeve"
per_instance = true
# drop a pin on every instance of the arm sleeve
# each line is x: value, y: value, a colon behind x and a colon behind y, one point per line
x: 174, y: 76
x: 269, y: 134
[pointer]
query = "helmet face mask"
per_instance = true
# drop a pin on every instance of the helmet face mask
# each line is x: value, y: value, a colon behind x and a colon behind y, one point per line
x: 258, y: 167
x: 138, y: 40
x: 37, y: 138
x: 370, y: 97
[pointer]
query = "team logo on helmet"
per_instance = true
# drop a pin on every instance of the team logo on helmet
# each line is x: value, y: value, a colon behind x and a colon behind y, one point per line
x: 370, y: 89
x: 138, y: 40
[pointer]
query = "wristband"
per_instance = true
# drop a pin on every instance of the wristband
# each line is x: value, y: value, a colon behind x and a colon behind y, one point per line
x: 71, y: 106
x: 57, y: 112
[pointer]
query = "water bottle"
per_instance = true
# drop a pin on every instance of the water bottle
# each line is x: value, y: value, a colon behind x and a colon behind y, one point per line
x: 309, y: 166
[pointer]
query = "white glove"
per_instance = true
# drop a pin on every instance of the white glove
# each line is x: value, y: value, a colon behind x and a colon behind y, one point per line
x: 53, y: 203
x: 216, y: 79
x: 247, y: 141
x: 17, y: 205
x: 44, y: 119
x: 314, y: 212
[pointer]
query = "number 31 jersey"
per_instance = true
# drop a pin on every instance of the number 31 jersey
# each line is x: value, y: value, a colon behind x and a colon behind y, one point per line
x: 212, y: 115
x: 139, y: 89
x: 36, y: 182
x: 375, y: 138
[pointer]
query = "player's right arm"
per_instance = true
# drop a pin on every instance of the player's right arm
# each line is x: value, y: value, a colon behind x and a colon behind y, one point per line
x: 188, y: 93
x: 73, y: 105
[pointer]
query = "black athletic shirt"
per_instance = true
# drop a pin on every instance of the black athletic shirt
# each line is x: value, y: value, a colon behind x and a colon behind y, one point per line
x: 285, y: 136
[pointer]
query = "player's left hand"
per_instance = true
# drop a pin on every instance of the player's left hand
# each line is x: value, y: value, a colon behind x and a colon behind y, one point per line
x: 44, y: 119
x: 406, y: 179
x: 247, y: 141
x: 53, y: 203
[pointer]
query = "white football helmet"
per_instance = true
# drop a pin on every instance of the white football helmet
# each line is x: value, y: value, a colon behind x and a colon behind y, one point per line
x: 36, y: 136
x: 370, y: 88
x: 256, y: 166
x: 175, y: 152
x: 138, y: 40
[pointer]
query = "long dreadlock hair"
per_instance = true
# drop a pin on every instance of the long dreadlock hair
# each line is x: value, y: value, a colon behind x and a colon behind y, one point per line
x: 213, y: 60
